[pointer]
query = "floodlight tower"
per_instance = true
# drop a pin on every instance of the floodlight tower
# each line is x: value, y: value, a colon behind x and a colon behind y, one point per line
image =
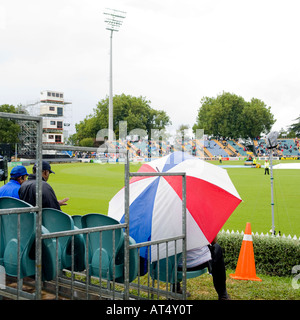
x: 114, y: 19
x: 271, y: 141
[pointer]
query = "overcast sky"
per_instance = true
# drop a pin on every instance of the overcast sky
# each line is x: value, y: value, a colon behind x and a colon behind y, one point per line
x: 172, y: 52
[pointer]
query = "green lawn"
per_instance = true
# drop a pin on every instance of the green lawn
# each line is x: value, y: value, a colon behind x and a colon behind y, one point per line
x: 90, y: 187
x: 270, y: 288
x: 255, y: 190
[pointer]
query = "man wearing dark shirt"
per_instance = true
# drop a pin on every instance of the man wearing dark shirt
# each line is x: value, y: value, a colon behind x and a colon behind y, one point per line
x: 27, y: 191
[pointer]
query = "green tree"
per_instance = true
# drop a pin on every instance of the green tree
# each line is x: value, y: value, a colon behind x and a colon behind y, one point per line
x: 9, y: 129
x: 295, y: 127
x: 220, y: 116
x: 182, y: 131
x: 87, y: 142
x: 256, y: 118
x: 136, y: 111
x: 229, y: 115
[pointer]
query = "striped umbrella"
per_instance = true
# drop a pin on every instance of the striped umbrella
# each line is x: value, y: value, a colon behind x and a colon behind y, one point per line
x: 155, y: 210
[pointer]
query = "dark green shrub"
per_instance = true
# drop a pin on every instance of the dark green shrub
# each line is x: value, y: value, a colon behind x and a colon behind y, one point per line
x: 273, y: 255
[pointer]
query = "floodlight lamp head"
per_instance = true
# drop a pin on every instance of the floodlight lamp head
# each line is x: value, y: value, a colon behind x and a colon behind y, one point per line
x: 114, y: 19
x: 271, y: 140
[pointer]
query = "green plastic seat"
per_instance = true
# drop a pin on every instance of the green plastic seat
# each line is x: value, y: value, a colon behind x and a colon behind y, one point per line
x: 48, y: 257
x: 55, y: 221
x: 1, y: 243
x: 106, y: 263
x: 9, y: 240
x: 77, y: 221
x: 106, y: 250
x: 133, y: 261
x: 192, y: 274
x: 166, y: 272
x: 10, y: 235
x: 169, y: 275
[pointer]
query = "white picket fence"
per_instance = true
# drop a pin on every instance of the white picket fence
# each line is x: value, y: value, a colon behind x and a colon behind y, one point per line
x: 283, y: 236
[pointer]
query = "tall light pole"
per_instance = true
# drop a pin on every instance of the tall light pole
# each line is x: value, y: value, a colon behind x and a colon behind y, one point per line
x: 271, y: 142
x: 114, y: 19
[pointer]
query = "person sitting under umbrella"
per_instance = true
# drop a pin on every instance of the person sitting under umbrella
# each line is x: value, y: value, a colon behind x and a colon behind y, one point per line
x: 156, y: 204
x: 210, y: 257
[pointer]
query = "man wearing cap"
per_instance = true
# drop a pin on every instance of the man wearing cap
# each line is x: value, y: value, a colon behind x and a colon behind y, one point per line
x: 27, y: 191
x: 18, y: 175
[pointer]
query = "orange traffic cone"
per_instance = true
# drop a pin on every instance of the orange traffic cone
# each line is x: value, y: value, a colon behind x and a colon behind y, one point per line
x: 245, y: 269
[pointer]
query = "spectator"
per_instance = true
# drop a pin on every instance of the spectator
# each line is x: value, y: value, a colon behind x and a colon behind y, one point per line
x: 18, y: 175
x: 210, y: 257
x: 267, y: 165
x: 27, y: 191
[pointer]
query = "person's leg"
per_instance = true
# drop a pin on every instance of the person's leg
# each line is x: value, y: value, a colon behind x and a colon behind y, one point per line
x: 218, y: 271
x: 216, y: 267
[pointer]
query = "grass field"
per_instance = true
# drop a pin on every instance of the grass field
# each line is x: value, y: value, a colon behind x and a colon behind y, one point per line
x: 270, y: 288
x: 255, y: 189
x: 91, y: 186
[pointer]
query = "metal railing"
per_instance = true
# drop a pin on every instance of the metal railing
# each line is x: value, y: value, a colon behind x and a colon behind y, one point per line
x: 81, y: 285
x: 38, y: 207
